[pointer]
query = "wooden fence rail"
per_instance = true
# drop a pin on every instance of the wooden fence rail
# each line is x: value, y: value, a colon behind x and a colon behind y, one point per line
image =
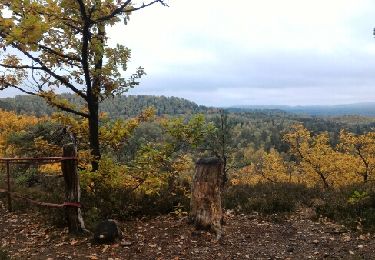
x: 29, y: 161
x: 72, y: 203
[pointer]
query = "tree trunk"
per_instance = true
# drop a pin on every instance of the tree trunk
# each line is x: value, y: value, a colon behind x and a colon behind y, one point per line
x: 94, y: 134
x: 94, y: 98
x: 206, y: 210
x: 72, y: 191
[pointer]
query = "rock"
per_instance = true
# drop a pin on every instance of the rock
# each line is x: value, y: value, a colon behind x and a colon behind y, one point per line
x: 107, y: 232
x: 290, y: 249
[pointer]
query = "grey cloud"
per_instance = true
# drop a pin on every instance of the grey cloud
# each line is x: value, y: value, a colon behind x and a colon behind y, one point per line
x: 276, y: 77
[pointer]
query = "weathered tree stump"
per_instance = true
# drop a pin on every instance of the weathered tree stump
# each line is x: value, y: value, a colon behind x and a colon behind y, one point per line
x: 206, y: 211
x: 72, y: 191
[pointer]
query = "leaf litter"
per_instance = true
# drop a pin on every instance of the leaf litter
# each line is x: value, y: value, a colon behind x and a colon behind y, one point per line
x: 24, y: 235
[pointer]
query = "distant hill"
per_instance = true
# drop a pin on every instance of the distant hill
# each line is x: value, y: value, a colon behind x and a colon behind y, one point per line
x: 121, y: 106
x: 131, y: 105
x: 363, y: 109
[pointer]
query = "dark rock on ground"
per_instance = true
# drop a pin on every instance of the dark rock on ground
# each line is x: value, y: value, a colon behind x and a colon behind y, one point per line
x: 107, y: 231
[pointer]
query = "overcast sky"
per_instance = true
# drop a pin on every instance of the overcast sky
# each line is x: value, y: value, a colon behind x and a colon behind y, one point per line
x: 252, y: 52
x: 245, y: 52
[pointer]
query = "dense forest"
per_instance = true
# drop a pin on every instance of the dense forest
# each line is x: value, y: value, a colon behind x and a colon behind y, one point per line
x: 116, y: 107
x: 155, y: 139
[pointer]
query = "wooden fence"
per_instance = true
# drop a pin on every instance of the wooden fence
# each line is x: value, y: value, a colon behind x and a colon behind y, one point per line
x: 72, y: 203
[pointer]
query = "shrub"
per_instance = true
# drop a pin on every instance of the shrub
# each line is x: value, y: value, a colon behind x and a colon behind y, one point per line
x: 113, y: 192
x: 268, y: 198
x: 353, y: 206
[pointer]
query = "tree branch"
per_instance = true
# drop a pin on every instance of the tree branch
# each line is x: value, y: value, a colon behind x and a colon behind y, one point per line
x: 7, y: 85
x: 64, y: 56
x: 64, y: 108
x: 82, y: 9
x: 121, y: 9
x: 20, y: 67
x: 61, y: 107
x: 50, y: 72
x: 145, y: 5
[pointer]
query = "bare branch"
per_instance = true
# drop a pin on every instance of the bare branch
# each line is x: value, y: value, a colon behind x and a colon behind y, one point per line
x: 146, y: 5
x: 121, y: 9
x: 7, y: 85
x: 20, y: 67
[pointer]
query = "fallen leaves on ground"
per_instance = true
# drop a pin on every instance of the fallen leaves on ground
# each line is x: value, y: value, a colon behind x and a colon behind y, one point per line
x: 27, y: 236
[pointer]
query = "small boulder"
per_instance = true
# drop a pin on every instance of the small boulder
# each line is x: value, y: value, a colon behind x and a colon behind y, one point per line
x: 107, y: 231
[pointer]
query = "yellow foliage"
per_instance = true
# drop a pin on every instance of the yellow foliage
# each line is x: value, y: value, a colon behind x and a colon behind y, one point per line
x: 272, y: 167
x: 361, y: 150
x: 109, y: 175
x: 317, y: 162
x: 10, y: 122
x: 46, y: 148
x: 54, y: 168
x: 112, y: 134
x: 116, y: 134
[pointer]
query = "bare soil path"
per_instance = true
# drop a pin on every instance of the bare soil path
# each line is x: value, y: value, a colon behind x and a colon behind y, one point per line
x: 26, y: 236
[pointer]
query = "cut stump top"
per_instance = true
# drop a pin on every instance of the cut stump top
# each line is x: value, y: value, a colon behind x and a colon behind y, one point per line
x: 209, y: 161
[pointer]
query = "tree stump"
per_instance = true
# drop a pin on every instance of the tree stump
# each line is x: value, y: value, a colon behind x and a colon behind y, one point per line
x: 206, y: 211
x: 72, y: 191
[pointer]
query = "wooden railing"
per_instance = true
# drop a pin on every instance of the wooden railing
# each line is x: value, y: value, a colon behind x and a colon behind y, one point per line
x: 69, y: 170
x: 28, y: 161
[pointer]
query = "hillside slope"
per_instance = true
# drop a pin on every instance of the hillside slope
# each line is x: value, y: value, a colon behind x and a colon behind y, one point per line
x: 120, y: 106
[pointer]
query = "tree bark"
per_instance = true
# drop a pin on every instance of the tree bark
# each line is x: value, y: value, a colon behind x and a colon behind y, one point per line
x: 94, y: 97
x: 206, y: 209
x: 94, y: 134
x: 72, y: 191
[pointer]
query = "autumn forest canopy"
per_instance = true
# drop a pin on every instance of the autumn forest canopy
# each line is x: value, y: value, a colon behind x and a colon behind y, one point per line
x: 150, y: 144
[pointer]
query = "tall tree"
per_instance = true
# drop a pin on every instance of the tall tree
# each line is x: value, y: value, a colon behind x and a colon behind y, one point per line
x: 62, y: 44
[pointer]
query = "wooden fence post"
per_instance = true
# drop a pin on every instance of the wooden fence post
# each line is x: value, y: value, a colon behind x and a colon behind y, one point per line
x: 72, y: 190
x: 206, y: 211
x: 10, y: 208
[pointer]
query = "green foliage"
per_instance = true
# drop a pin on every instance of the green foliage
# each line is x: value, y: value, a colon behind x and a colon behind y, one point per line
x: 109, y: 175
x: 268, y: 198
x: 116, y: 191
x: 42, y: 139
x: 28, y: 178
x: 353, y: 206
x: 358, y: 197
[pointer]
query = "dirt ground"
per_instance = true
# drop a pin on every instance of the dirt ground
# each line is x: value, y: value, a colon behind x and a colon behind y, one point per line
x: 26, y: 236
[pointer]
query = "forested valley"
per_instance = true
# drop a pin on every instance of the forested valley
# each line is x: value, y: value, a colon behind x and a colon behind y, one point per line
x: 276, y: 163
